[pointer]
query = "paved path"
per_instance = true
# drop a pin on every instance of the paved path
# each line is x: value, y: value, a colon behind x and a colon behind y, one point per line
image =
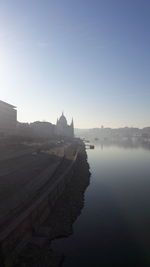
x: 21, y: 178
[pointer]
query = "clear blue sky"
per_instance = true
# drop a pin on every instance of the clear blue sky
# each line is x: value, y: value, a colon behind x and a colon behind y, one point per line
x: 90, y: 58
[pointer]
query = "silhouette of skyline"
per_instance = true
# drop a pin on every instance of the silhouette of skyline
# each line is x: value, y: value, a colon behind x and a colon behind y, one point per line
x: 88, y: 58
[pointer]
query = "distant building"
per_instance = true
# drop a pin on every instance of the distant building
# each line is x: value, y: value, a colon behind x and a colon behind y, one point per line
x: 146, y: 132
x: 24, y: 129
x: 63, y: 129
x: 42, y: 129
x: 8, y: 119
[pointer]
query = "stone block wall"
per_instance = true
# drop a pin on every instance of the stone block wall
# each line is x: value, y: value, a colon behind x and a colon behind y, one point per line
x: 14, y: 238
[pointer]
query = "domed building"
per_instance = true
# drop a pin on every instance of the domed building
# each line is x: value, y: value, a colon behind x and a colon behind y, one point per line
x: 63, y: 129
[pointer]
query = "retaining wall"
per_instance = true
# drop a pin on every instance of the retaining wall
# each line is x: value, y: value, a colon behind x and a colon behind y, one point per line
x: 17, y: 234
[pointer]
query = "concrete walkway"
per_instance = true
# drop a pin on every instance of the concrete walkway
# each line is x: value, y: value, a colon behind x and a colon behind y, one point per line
x: 22, y: 177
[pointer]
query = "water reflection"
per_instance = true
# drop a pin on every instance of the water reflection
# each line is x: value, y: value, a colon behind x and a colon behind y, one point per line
x: 124, y: 143
x: 113, y: 229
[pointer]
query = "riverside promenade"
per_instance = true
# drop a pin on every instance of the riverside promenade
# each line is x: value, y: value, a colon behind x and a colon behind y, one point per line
x: 31, y: 180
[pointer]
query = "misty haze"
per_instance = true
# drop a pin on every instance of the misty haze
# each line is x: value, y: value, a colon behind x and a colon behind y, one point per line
x: 74, y: 133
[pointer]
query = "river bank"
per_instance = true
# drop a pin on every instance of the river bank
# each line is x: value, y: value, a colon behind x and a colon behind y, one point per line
x: 68, y: 207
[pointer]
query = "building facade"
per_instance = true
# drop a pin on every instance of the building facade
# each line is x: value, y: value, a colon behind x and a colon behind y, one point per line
x: 42, y: 129
x: 8, y: 119
x: 63, y: 129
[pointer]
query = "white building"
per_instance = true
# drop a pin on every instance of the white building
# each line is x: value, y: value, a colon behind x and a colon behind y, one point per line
x: 8, y: 119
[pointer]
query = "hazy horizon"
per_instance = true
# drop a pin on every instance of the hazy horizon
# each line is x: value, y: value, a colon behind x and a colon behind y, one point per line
x: 109, y: 127
x: 88, y: 58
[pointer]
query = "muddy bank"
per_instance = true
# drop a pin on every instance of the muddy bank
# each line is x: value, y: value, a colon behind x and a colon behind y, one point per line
x: 68, y: 207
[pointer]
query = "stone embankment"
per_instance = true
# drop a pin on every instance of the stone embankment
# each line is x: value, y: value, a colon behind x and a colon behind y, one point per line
x: 26, y: 225
x: 67, y: 208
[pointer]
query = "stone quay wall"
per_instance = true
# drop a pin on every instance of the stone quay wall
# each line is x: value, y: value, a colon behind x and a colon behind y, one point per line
x: 19, y: 231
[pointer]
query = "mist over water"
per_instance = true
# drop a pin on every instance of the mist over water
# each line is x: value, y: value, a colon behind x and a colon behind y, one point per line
x: 114, y: 226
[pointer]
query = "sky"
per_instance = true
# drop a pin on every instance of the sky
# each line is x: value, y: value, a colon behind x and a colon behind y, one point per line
x: 88, y: 58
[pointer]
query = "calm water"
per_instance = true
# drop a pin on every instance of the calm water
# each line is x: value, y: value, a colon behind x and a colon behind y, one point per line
x: 114, y: 226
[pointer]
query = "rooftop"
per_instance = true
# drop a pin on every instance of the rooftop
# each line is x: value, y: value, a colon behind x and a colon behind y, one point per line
x: 6, y: 104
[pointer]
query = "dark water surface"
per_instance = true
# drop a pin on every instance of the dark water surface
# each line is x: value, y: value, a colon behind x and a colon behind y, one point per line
x: 114, y: 226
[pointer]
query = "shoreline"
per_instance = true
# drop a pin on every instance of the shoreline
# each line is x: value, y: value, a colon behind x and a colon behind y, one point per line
x: 66, y: 210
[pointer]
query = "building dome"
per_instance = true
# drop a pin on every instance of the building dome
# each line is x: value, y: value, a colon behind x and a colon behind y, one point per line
x: 63, y: 129
x: 63, y: 120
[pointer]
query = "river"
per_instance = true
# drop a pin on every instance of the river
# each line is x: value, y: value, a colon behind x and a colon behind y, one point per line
x: 114, y: 226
